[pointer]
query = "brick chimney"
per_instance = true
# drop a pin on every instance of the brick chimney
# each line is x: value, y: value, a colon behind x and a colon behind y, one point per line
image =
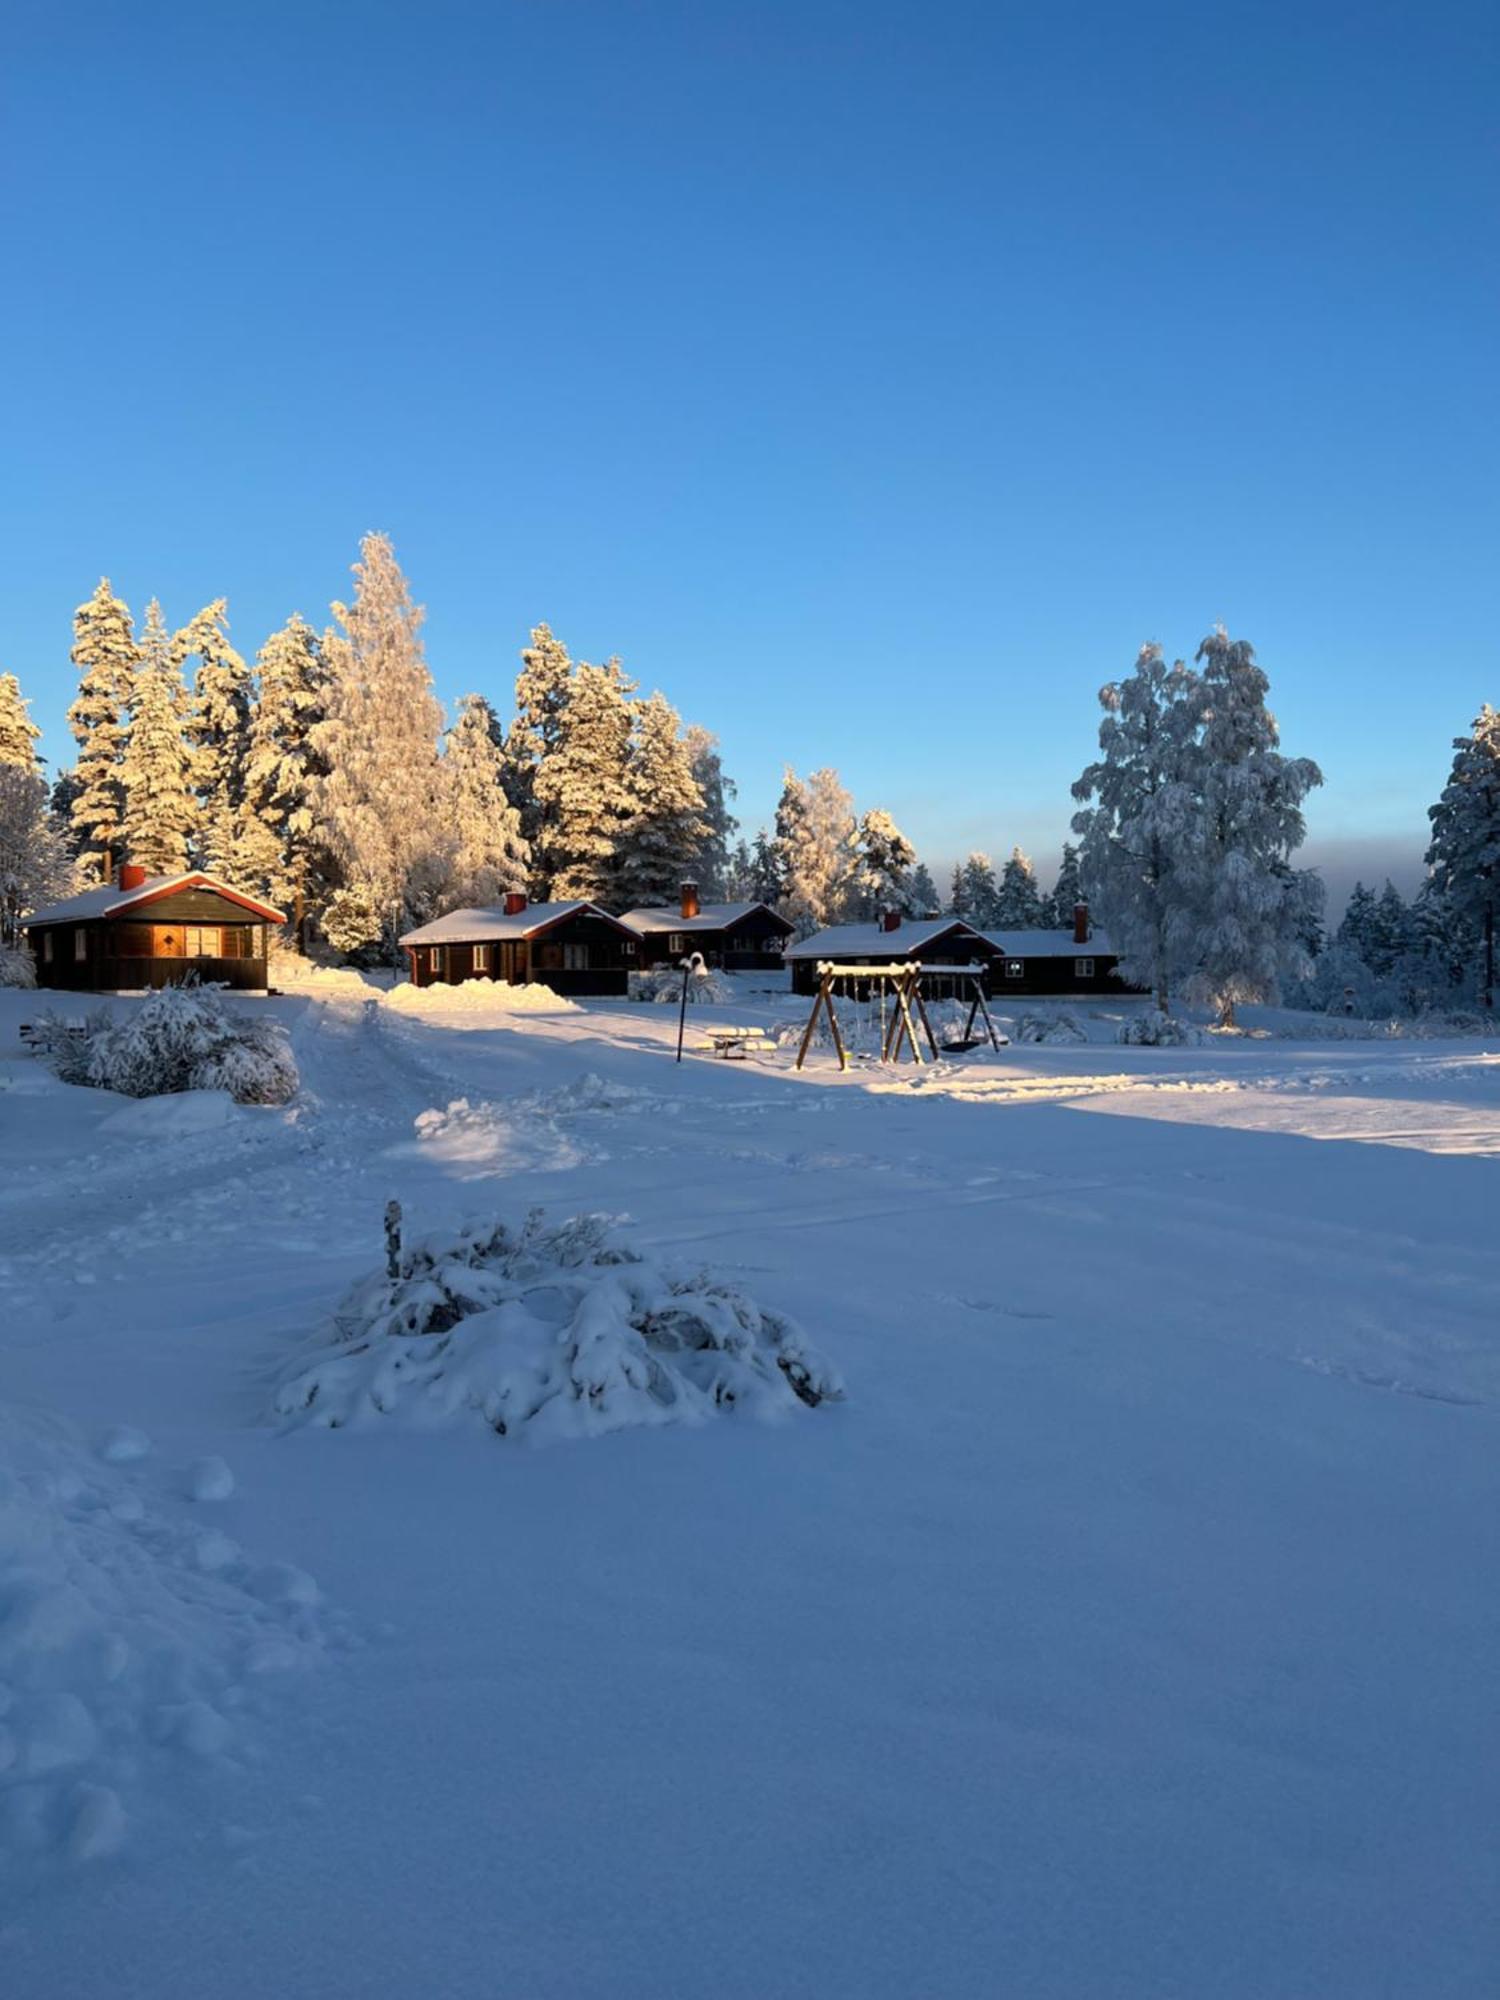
x: 515, y: 902
x: 1080, y: 923
x: 132, y: 875
x: 690, y: 899
x: 890, y: 920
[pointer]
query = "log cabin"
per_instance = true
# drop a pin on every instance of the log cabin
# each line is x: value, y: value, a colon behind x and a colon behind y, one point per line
x: 1079, y: 961
x: 892, y: 940
x: 733, y: 937
x: 152, y: 930
x: 573, y: 947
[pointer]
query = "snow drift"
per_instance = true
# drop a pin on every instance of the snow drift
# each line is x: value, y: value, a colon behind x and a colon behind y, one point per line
x: 550, y: 1331
x: 179, y: 1038
x: 478, y: 996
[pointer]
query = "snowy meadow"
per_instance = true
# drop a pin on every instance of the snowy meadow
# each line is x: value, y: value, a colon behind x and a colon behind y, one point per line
x: 1123, y: 1627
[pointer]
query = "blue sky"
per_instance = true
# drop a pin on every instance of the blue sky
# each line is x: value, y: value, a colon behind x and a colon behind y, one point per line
x: 873, y: 379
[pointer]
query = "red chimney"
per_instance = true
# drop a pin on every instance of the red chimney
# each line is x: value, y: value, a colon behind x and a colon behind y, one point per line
x: 690, y: 899
x: 132, y: 875
x: 515, y: 902
x: 1080, y: 923
x: 890, y: 920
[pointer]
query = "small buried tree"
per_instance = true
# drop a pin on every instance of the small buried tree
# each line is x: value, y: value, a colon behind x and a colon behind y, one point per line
x: 554, y: 1330
x: 179, y: 1038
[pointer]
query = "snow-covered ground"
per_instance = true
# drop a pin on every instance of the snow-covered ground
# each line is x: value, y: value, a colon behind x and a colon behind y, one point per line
x: 1130, y: 1628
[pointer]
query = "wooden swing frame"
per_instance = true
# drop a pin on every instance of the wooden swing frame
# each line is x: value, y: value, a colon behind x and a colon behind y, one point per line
x: 971, y: 976
x: 905, y: 984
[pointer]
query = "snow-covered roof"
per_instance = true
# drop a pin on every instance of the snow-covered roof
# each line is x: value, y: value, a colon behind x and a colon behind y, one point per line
x: 1048, y: 944
x: 860, y: 941
x: 484, y: 926
x: 710, y: 917
x: 110, y: 900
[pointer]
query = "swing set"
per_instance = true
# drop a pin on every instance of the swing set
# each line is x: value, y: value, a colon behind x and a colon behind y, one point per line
x: 902, y: 1004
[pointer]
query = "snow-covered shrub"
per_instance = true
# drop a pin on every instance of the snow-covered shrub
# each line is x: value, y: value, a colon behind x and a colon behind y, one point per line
x: 1050, y: 1028
x: 549, y: 1330
x: 1155, y: 1030
x: 351, y: 923
x: 17, y: 966
x: 179, y: 1038
x: 664, y: 982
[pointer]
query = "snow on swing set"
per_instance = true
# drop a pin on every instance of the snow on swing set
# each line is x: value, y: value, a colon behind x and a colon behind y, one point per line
x: 901, y: 987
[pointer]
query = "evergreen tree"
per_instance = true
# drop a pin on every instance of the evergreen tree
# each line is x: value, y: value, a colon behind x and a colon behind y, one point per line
x: 541, y: 698
x: 766, y: 882
x: 1356, y: 931
x: 884, y: 862
x: 710, y: 868
x: 1133, y: 836
x: 1250, y: 906
x: 1465, y: 853
x: 958, y: 892
x: 18, y: 733
x: 104, y: 652
x: 1391, y: 934
x: 582, y: 789
x: 65, y: 789
x: 381, y: 804
x: 664, y: 842
x: 276, y: 839
x: 491, y: 856
x: 1018, y: 906
x: 161, y: 812
x: 924, y: 892
x: 980, y: 894
x: 816, y: 850
x: 1067, y: 891
x: 218, y: 730
x: 35, y: 865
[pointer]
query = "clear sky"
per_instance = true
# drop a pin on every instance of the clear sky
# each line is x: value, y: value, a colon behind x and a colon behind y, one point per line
x: 874, y: 379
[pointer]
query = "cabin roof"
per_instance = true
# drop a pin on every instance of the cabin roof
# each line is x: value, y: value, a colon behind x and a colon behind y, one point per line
x: 487, y: 925
x: 862, y: 941
x: 710, y: 917
x: 110, y: 900
x: 1049, y: 944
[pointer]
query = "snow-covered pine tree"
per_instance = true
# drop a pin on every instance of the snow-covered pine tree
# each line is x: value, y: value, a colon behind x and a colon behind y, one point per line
x: 1391, y: 933
x: 764, y: 881
x: 491, y: 857
x: 816, y: 850
x: 958, y: 892
x: 1018, y: 905
x: 663, y: 842
x: 35, y: 865
x: 18, y: 733
x: 885, y: 858
x: 218, y: 730
x: 1250, y: 906
x: 276, y: 841
x: 104, y: 652
x: 1133, y: 837
x: 1465, y: 853
x: 710, y: 867
x: 1067, y: 891
x: 582, y: 790
x: 161, y: 818
x: 1356, y: 931
x: 980, y: 893
x: 382, y: 804
x: 541, y: 696
x: 925, y: 901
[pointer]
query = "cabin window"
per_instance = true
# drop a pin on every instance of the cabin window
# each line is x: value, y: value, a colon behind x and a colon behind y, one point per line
x: 677, y: 944
x: 203, y: 941
x: 80, y: 944
x: 481, y: 958
x: 46, y: 947
x: 1083, y: 968
x: 627, y: 950
x: 575, y: 958
x: 1015, y: 968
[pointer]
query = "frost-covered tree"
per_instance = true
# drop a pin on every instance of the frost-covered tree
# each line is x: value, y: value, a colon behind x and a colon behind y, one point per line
x: 1356, y: 931
x: 664, y: 841
x: 218, y: 729
x: 978, y: 899
x: 276, y: 839
x: 541, y: 697
x: 104, y: 652
x: 958, y: 892
x: 925, y: 901
x: 884, y: 861
x: 816, y: 849
x: 1249, y: 907
x: 35, y: 865
x: 710, y: 867
x: 583, y: 790
x: 1067, y: 891
x: 1139, y: 813
x: 1390, y: 937
x: 381, y: 805
x: 1018, y: 905
x: 161, y: 818
x: 490, y: 857
x: 18, y: 733
x: 1465, y: 853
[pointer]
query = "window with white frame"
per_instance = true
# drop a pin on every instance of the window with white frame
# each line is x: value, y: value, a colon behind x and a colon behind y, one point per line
x: 80, y: 944
x: 627, y: 949
x: 1015, y: 968
x: 481, y: 958
x: 1083, y: 968
x: 677, y: 944
x: 203, y: 941
x: 575, y: 958
x: 46, y: 947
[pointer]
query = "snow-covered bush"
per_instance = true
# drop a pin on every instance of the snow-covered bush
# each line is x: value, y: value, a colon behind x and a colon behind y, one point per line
x: 549, y: 1330
x: 664, y: 982
x: 1155, y: 1030
x: 179, y: 1038
x: 351, y: 923
x: 1050, y: 1028
x: 17, y: 966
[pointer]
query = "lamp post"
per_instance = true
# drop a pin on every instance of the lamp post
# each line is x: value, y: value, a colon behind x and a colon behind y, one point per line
x: 693, y: 967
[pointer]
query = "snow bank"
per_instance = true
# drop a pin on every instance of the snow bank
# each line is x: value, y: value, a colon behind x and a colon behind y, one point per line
x: 180, y: 1038
x: 478, y: 996
x: 130, y: 1640
x: 550, y: 1331
x: 173, y: 1117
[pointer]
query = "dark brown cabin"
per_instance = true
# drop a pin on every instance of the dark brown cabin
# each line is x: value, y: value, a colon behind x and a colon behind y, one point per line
x: 575, y: 948
x: 733, y: 937
x: 893, y: 940
x: 1079, y: 962
x: 152, y: 930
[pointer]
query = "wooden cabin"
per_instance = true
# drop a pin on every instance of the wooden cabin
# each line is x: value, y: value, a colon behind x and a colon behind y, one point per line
x: 1077, y: 961
x: 572, y: 947
x: 152, y: 930
x: 894, y: 940
x: 733, y: 937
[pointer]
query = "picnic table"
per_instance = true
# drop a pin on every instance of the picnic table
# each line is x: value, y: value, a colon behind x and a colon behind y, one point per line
x: 735, y: 1044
